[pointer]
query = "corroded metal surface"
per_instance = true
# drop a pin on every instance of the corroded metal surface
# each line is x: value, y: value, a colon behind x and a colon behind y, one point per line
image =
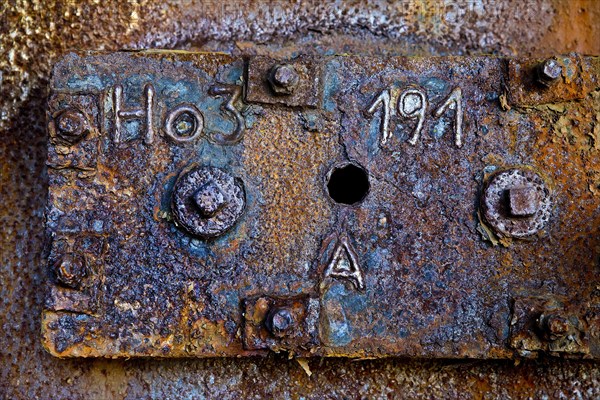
x: 530, y: 82
x: 34, y: 34
x: 178, y: 236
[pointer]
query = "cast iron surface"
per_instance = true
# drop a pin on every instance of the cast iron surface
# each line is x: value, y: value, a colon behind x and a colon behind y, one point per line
x: 175, y: 234
x: 33, y: 36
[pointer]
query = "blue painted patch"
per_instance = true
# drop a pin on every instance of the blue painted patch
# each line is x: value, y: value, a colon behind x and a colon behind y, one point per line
x: 491, y: 96
x: 233, y: 299
x: 336, y: 291
x: 403, y: 332
x: 379, y: 329
x: 570, y: 70
x: 331, y: 84
x: 131, y: 129
x: 176, y: 90
x: 434, y: 86
x: 97, y: 225
x: 338, y: 325
x: 402, y: 131
x: 249, y: 118
x: 441, y: 285
x: 88, y: 83
x: 428, y: 276
x: 489, y: 169
x: 339, y: 332
x: 200, y: 249
x: 216, y: 120
x: 354, y: 302
x: 235, y: 72
x: 438, y: 130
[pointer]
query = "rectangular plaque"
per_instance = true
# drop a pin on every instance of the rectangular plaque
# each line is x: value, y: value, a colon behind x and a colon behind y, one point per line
x: 199, y: 206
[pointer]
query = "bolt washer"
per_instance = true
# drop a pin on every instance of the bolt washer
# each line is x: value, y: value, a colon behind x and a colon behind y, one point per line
x: 496, y: 209
x: 187, y: 213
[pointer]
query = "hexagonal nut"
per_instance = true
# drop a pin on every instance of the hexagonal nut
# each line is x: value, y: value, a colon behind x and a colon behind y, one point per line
x: 549, y: 71
x: 280, y: 322
x: 284, y: 79
x: 70, y: 270
x: 71, y: 126
x: 207, y: 201
x: 210, y: 199
x: 523, y: 201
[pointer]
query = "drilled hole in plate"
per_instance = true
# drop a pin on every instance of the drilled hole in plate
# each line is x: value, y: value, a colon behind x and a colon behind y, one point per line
x: 348, y: 184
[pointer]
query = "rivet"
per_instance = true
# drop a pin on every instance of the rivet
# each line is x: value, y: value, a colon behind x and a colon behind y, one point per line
x: 70, y: 270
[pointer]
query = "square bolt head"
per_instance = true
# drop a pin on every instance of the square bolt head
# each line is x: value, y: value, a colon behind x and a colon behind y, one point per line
x: 209, y: 199
x: 523, y: 201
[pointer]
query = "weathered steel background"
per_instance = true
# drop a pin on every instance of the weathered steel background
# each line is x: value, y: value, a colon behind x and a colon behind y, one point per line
x: 35, y: 34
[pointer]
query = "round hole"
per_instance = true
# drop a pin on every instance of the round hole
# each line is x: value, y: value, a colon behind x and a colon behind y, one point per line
x: 348, y: 184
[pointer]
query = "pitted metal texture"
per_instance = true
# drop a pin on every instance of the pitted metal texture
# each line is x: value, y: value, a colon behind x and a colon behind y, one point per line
x: 359, y: 217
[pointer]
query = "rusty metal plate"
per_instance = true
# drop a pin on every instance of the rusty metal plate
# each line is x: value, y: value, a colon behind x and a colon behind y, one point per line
x: 410, y: 211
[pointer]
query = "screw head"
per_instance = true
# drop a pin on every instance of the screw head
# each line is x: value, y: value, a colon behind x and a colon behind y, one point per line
x: 184, y: 123
x: 280, y: 321
x: 516, y: 202
x: 71, y: 125
x: 550, y: 70
x: 70, y: 270
x: 284, y: 78
x: 207, y: 201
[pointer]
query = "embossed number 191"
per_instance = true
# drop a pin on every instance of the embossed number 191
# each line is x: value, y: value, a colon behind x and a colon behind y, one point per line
x: 412, y: 104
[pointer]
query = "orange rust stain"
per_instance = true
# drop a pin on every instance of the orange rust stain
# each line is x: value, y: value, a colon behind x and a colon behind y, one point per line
x: 290, y: 172
x: 574, y: 28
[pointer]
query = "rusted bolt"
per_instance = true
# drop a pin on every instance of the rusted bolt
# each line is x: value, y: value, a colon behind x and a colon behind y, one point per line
x: 70, y: 270
x: 549, y: 71
x: 555, y: 326
x: 207, y: 201
x: 280, y: 321
x: 284, y: 78
x: 523, y: 201
x: 516, y: 202
x: 71, y: 125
